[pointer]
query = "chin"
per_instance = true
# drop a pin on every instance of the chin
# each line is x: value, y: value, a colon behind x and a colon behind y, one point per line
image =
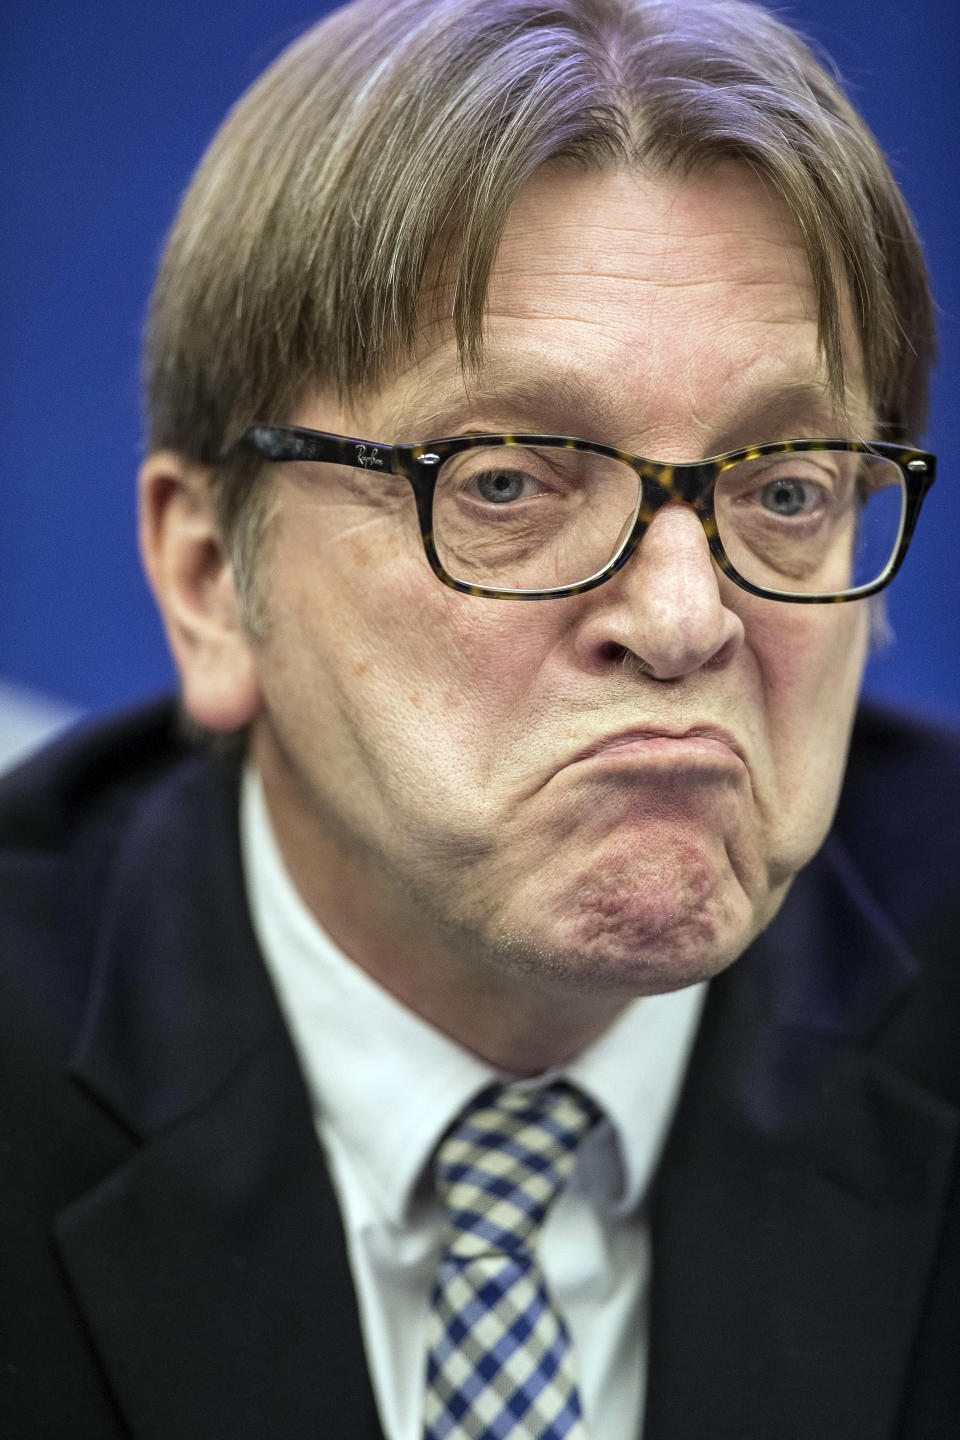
x: 635, y: 959
x: 643, y: 949
x: 640, y: 929
x: 611, y: 968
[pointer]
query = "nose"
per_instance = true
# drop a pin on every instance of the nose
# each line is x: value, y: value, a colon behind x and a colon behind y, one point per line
x: 665, y: 606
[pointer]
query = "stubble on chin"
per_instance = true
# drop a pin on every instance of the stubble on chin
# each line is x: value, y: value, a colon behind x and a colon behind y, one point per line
x: 629, y: 924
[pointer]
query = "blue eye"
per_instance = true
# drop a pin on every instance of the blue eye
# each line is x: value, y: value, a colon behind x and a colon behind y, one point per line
x: 499, y: 486
x: 788, y: 497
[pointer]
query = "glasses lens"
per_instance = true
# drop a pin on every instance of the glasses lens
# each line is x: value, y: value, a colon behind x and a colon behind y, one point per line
x: 811, y: 523
x: 516, y: 517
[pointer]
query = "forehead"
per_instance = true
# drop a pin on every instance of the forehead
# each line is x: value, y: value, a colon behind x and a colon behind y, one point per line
x: 661, y: 309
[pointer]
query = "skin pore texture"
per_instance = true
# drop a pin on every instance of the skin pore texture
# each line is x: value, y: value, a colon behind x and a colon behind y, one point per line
x: 448, y: 776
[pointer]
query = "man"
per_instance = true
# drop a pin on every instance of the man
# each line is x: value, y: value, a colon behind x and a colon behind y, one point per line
x: 489, y: 1040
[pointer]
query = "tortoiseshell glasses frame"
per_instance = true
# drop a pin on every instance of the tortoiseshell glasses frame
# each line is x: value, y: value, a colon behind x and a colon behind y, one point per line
x: 693, y: 484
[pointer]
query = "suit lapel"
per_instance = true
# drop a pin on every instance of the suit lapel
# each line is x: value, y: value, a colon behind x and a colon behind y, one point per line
x: 211, y: 1269
x: 798, y: 1208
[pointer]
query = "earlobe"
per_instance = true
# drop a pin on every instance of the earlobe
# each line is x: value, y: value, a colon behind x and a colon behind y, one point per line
x: 192, y: 581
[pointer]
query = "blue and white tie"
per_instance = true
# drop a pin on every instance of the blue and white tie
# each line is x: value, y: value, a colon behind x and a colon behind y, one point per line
x: 499, y: 1361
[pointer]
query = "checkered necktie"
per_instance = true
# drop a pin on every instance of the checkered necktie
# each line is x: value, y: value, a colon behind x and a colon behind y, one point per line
x: 499, y: 1362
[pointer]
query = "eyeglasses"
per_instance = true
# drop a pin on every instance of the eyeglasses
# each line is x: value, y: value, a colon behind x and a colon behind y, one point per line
x: 534, y: 517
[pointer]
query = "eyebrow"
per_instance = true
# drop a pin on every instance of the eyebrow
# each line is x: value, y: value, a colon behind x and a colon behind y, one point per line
x: 547, y: 400
x: 790, y: 412
x: 514, y: 388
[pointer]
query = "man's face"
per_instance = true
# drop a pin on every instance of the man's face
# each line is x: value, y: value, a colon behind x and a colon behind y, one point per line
x: 603, y: 794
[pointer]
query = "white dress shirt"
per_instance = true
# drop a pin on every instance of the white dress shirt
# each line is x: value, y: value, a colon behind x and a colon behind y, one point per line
x: 385, y: 1085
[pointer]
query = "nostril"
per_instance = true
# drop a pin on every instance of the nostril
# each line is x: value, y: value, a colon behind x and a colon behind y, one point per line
x: 614, y: 654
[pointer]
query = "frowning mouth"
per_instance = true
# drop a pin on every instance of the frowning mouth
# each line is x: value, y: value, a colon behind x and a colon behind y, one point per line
x: 678, y: 745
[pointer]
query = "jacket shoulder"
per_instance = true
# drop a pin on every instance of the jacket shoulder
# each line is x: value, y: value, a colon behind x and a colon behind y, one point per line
x: 902, y: 749
x: 86, y: 781
x: 62, y: 814
x: 899, y: 810
x: 899, y: 818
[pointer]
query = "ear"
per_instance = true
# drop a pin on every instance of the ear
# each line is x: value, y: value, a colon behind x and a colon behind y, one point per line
x: 192, y: 581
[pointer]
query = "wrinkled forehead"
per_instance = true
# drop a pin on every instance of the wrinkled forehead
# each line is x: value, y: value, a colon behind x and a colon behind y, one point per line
x: 634, y: 306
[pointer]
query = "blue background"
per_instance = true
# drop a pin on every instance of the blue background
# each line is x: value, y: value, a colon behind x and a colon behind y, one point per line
x: 106, y: 106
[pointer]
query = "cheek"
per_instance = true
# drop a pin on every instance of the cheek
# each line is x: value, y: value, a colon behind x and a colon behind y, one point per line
x: 810, y: 663
x: 812, y: 660
x: 373, y: 659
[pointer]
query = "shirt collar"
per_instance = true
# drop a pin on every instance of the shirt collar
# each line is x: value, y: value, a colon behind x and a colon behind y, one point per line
x: 387, y: 1084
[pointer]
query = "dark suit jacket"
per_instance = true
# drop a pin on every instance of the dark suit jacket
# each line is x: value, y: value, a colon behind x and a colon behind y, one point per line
x: 172, y: 1264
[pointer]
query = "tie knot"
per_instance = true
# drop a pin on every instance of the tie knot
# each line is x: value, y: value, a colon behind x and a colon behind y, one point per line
x: 505, y: 1160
